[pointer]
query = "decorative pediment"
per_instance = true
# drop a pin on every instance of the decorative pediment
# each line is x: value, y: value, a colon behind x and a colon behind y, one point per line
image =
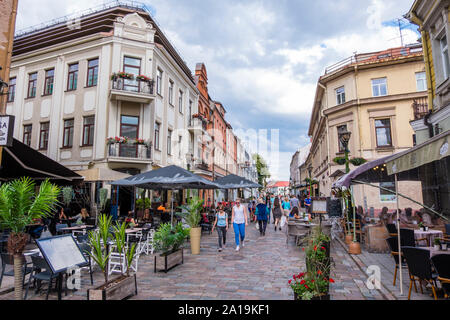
x: 135, y: 27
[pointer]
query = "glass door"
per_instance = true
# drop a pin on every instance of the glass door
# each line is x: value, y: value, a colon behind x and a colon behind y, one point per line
x: 129, y: 127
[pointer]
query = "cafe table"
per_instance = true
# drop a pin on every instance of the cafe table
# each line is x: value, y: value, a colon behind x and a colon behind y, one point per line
x: 78, y: 229
x: 133, y: 232
x: 430, y: 235
x: 434, y: 252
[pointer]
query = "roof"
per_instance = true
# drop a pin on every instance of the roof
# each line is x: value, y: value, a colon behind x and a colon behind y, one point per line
x: 280, y: 184
x: 98, y: 20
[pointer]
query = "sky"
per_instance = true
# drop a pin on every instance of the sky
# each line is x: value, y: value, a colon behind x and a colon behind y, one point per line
x: 263, y: 57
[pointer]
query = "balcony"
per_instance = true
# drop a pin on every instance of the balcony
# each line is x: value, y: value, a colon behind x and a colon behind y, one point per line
x: 195, y: 125
x: 132, y: 90
x: 129, y: 153
x: 202, y: 166
x: 420, y: 107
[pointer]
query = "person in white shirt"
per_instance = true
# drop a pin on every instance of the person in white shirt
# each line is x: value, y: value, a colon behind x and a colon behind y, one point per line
x: 239, y: 219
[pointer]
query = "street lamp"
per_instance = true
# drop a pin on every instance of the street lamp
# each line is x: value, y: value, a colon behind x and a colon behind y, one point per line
x: 310, y: 168
x: 344, y: 138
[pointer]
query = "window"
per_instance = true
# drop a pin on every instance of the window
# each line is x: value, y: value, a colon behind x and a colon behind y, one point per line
x: 133, y: 66
x: 68, y: 133
x: 169, y: 142
x: 48, y: 85
x: 92, y: 73
x: 180, y: 102
x: 421, y: 81
x: 27, y: 134
x: 171, y: 85
x: 32, y: 83
x: 72, y: 77
x: 157, y: 130
x: 341, y: 129
x: 43, y: 135
x: 129, y: 127
x: 340, y: 95
x: 445, y: 59
x: 383, y: 132
x: 88, y: 131
x: 12, y: 89
x: 159, y: 75
x: 386, y: 196
x: 379, y: 87
x: 190, y: 112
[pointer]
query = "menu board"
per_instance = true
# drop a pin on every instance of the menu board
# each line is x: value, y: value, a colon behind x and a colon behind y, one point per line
x: 61, y: 252
x: 319, y: 205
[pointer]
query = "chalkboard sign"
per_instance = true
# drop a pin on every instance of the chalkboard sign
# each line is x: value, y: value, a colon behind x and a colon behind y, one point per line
x: 61, y: 252
x: 319, y: 205
x: 334, y: 207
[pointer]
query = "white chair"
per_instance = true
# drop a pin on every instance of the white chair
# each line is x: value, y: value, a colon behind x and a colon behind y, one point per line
x: 147, y: 243
x: 116, y: 263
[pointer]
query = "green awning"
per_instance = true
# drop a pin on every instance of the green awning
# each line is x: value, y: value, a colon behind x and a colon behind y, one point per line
x: 435, y: 149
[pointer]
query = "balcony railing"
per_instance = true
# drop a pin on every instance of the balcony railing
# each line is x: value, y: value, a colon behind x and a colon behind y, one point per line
x: 136, y: 86
x: 127, y: 151
x: 420, y: 107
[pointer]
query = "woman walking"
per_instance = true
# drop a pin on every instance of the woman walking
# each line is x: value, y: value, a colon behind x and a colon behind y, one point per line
x: 277, y: 213
x: 222, y: 226
x: 239, y: 218
x: 262, y: 214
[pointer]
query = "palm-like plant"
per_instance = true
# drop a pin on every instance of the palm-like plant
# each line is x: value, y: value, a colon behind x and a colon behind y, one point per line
x: 98, y: 240
x: 193, y: 209
x: 20, y: 205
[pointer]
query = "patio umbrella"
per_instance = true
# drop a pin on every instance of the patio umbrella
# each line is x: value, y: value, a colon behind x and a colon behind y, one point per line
x: 233, y: 181
x: 168, y: 178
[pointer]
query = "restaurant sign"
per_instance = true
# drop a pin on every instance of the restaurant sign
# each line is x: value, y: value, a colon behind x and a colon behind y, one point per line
x: 6, y: 131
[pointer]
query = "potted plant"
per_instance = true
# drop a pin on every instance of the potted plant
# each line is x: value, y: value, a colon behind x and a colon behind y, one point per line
x: 168, y: 241
x: 310, y: 286
x: 437, y: 244
x: 20, y: 205
x: 123, y: 286
x: 444, y: 246
x: 192, y: 218
x: 357, y: 161
x: 141, y: 206
x: 143, y: 78
x: 339, y: 160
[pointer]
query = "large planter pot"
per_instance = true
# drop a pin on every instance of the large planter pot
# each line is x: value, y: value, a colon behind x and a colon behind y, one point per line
x: 348, y: 239
x: 195, y: 236
x: 354, y: 248
x: 118, y: 289
x: 167, y: 261
x: 325, y: 297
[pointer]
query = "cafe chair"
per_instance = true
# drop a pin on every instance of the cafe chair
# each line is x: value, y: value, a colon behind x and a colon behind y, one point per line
x: 447, y: 233
x: 420, y: 268
x: 8, y: 260
x: 359, y: 232
x: 441, y: 264
x: 393, y: 246
x: 392, y: 229
x: 407, y: 238
x: 41, y: 272
x: 86, y: 249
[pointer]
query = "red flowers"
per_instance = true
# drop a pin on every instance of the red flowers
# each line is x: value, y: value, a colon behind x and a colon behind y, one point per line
x: 306, y: 286
x: 290, y: 281
x: 319, y: 272
x: 331, y: 280
x: 323, y: 248
x: 315, y: 248
x: 302, y: 282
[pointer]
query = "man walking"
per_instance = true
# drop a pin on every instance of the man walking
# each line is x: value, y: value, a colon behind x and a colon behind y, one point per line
x: 262, y: 213
x: 294, y: 202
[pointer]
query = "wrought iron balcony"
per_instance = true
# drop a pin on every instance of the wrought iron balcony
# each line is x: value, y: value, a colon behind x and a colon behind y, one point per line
x: 129, y: 153
x: 420, y: 107
x: 132, y: 90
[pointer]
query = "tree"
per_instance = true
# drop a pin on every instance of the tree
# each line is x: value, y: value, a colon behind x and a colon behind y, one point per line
x: 20, y: 205
x: 262, y: 169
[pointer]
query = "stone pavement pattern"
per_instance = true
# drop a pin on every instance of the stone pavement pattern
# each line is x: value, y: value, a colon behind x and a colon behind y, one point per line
x: 259, y: 272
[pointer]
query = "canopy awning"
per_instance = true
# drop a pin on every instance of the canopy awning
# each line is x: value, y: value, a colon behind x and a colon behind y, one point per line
x: 432, y: 150
x: 20, y: 160
x: 235, y: 182
x: 102, y: 174
x: 169, y: 178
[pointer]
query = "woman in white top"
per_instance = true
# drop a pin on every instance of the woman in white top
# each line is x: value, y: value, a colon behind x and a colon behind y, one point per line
x: 239, y: 218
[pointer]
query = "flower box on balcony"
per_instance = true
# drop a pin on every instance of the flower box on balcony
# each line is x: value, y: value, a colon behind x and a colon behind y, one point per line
x: 122, y: 75
x: 143, y: 78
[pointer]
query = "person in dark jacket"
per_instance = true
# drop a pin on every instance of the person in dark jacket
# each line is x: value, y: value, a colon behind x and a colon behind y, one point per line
x: 262, y: 214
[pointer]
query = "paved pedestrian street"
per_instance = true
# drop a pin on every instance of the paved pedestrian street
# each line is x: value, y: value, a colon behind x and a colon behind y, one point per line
x: 260, y: 271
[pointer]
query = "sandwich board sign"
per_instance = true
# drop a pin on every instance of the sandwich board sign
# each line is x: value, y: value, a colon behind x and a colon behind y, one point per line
x: 6, y: 131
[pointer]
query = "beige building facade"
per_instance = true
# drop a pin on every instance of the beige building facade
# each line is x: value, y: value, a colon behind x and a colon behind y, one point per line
x: 374, y: 96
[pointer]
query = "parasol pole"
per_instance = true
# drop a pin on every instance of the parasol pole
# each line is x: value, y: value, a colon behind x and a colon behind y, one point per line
x: 398, y: 235
x: 171, y: 212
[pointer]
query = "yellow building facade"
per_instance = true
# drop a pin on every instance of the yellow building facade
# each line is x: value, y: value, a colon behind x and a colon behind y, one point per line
x: 374, y: 96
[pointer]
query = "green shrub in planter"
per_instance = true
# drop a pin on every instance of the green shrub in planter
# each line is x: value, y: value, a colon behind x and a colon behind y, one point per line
x: 339, y: 160
x: 169, y: 239
x: 358, y: 161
